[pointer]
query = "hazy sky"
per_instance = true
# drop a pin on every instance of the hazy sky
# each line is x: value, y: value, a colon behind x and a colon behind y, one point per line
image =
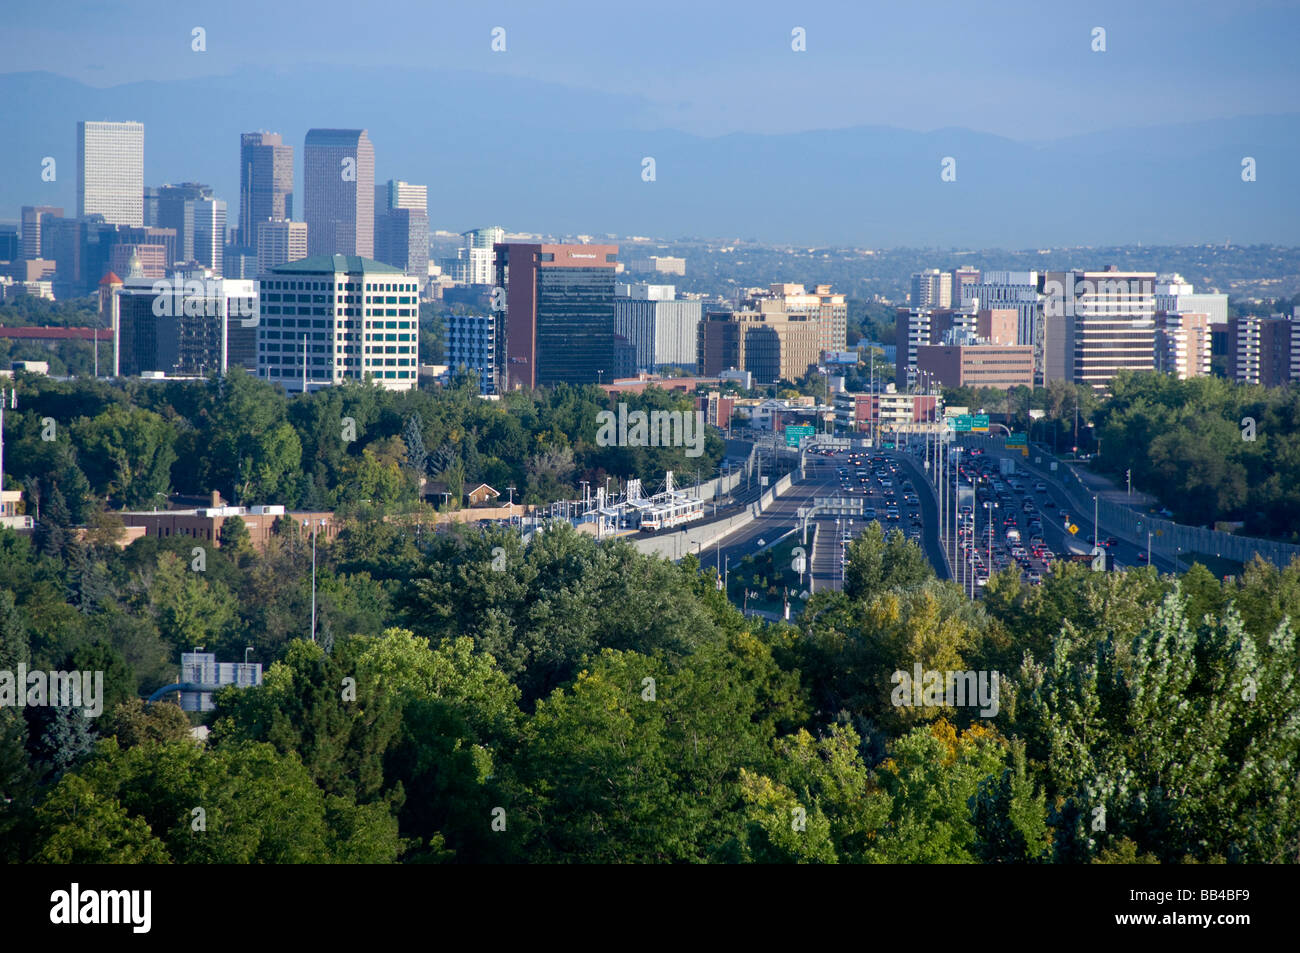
x: 1023, y: 70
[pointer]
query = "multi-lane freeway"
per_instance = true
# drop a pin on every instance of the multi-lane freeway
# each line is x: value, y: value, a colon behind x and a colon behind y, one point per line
x: 1029, y: 511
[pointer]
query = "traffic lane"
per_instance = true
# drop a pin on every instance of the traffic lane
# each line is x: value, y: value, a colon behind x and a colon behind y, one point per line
x: 929, y: 512
x: 1124, y: 554
x: 775, y: 520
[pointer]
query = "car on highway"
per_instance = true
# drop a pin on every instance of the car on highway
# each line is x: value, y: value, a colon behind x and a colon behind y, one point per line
x: 1040, y: 487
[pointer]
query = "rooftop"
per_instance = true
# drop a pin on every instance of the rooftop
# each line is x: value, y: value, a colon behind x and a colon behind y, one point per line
x: 335, y: 264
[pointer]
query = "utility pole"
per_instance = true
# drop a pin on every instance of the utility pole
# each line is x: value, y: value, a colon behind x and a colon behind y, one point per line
x: 13, y: 405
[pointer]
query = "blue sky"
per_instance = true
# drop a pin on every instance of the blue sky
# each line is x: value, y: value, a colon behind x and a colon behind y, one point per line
x: 1022, y: 70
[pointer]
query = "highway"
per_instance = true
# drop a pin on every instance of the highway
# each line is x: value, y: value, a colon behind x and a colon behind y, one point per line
x: 1030, y: 493
x: 1126, y: 554
x: 823, y: 478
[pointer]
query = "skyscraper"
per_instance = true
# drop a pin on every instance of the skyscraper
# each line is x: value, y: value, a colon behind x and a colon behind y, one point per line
x: 33, y: 217
x: 402, y: 226
x: 339, y: 187
x: 559, y: 322
x: 173, y: 209
x: 474, y: 261
x: 208, y: 216
x: 110, y: 171
x: 280, y: 242
x: 932, y: 289
x: 265, y: 183
x: 1096, y: 323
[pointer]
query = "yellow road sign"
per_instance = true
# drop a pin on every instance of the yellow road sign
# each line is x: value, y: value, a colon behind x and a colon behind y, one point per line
x: 1073, y: 529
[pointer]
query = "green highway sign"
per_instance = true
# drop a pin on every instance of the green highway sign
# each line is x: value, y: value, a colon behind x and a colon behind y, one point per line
x: 980, y: 423
x: 961, y: 423
x: 796, y: 432
x: 1016, y: 440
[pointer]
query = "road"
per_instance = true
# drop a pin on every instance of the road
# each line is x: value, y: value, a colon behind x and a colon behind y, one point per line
x: 824, y: 479
x: 1127, y: 554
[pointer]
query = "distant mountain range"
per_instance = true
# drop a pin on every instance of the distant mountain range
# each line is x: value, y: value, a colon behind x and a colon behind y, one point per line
x: 536, y: 157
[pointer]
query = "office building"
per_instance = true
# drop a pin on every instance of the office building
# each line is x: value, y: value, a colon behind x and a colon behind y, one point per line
x: 32, y: 218
x: 931, y: 288
x: 149, y: 260
x: 829, y: 310
x: 888, y: 410
x: 184, y: 325
x: 1264, y: 350
x: 1017, y: 290
x: 110, y: 171
x: 559, y: 320
x: 402, y: 227
x: 331, y: 318
x: 169, y: 208
x: 265, y: 183
x: 205, y: 523
x: 770, y: 344
x: 658, y: 264
x: 660, y: 329
x: 339, y: 192
x: 205, y: 218
x: 1096, y: 323
x: 471, y: 341
x: 919, y: 327
x: 963, y: 278
x: 973, y: 364
x: 475, y: 261
x: 10, y: 243
x: 1183, y: 344
x: 1176, y: 295
x: 279, y: 242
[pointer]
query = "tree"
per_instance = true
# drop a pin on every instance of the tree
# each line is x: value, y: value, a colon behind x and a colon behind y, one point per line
x: 127, y: 453
x: 877, y: 562
x: 234, y: 536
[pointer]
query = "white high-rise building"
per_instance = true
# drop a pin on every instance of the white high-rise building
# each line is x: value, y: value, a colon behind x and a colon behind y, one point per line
x: 110, y: 171
x: 331, y: 318
x: 1175, y: 295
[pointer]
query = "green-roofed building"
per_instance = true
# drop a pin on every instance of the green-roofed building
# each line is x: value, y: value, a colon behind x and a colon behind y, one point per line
x: 330, y: 318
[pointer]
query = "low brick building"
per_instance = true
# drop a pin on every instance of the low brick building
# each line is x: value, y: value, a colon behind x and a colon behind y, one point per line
x: 204, y: 523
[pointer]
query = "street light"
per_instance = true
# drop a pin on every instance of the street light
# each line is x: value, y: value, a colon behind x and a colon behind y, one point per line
x: 315, y: 525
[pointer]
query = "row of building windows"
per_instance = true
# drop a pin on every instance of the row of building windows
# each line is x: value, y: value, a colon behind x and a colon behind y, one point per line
x: 343, y: 286
x: 338, y: 299
x: 339, y: 336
